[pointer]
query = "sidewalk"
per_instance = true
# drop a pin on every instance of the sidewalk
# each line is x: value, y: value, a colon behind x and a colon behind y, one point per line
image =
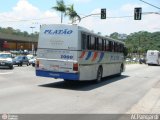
x: 149, y: 104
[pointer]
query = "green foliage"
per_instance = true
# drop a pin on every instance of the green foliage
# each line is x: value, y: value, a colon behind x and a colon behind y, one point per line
x: 114, y: 35
x: 68, y: 11
x: 10, y: 30
x: 142, y: 41
x: 139, y: 42
x: 61, y: 7
x: 72, y: 13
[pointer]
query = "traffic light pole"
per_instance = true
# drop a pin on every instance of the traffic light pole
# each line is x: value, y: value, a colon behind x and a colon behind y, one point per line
x: 143, y: 13
x: 87, y: 16
x: 151, y: 13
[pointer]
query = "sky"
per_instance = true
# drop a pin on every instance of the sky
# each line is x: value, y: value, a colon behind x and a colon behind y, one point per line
x: 24, y: 14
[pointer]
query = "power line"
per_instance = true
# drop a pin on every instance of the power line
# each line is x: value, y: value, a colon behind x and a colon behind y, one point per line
x: 26, y: 20
x: 92, y: 15
x: 150, y: 4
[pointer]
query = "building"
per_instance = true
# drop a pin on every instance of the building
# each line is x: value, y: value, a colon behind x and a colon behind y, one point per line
x: 16, y: 42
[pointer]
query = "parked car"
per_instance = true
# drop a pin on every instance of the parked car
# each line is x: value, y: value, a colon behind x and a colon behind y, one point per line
x: 6, y: 60
x: 21, y: 60
x: 128, y: 60
x: 31, y: 60
x: 135, y: 60
x: 142, y: 60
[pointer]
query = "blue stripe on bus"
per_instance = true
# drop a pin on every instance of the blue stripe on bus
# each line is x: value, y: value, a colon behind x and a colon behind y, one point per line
x: 101, y: 57
x: 89, y: 55
x: 69, y: 76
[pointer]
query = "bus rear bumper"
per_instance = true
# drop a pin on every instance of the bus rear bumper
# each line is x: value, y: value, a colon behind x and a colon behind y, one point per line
x: 60, y: 75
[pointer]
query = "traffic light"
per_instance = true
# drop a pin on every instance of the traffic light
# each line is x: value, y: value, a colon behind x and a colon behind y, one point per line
x: 103, y: 13
x: 138, y: 13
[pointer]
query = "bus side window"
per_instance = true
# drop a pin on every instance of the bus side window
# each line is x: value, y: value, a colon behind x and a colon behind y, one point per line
x: 96, y: 43
x: 100, y: 44
x: 103, y: 44
x: 116, y: 47
x: 88, y: 42
x: 92, y: 43
x: 84, y: 41
x: 111, y: 46
x: 121, y: 48
x: 106, y: 45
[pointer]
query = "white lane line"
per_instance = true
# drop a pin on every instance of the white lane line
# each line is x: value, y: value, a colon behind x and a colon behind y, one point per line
x: 6, y: 73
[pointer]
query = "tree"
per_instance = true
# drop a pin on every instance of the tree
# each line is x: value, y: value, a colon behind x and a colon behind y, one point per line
x: 72, y: 14
x: 17, y: 32
x: 9, y: 30
x: 25, y: 33
x: 142, y: 41
x: 61, y: 7
x: 114, y: 35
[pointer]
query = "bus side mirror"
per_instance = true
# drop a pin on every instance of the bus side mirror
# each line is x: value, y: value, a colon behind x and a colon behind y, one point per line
x: 125, y: 51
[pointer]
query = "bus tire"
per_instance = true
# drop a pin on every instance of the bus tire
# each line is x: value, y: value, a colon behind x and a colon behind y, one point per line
x: 99, y: 74
x: 121, y: 70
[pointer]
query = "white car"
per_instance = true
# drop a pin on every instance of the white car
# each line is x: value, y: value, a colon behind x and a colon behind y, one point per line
x: 32, y: 60
x: 6, y: 60
x: 128, y: 60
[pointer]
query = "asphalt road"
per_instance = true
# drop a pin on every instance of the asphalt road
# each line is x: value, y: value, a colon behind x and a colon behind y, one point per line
x: 22, y: 92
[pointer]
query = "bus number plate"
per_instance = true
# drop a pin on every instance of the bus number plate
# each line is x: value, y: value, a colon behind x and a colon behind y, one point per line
x: 66, y: 56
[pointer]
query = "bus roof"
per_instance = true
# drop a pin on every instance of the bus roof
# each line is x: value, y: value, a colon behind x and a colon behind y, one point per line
x: 90, y: 32
x: 83, y: 29
x: 152, y: 51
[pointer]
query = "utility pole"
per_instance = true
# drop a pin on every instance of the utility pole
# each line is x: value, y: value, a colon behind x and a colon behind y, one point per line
x: 32, y: 40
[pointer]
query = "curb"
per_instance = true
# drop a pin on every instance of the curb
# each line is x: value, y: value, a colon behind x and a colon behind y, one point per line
x: 149, y: 104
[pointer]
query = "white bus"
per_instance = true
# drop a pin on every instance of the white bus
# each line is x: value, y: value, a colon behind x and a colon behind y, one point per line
x: 153, y: 57
x: 72, y: 52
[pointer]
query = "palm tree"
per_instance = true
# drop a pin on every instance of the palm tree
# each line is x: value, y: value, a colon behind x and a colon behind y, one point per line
x: 61, y: 7
x: 72, y: 14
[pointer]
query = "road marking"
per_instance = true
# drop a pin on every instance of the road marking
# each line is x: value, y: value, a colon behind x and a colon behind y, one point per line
x: 6, y: 73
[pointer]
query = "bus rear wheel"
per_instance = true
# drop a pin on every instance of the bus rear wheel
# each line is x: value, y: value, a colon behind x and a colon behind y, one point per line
x: 99, y: 74
x: 121, y: 70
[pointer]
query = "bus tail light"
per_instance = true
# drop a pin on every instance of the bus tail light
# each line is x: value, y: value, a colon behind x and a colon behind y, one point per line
x: 37, y: 63
x: 75, y: 66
